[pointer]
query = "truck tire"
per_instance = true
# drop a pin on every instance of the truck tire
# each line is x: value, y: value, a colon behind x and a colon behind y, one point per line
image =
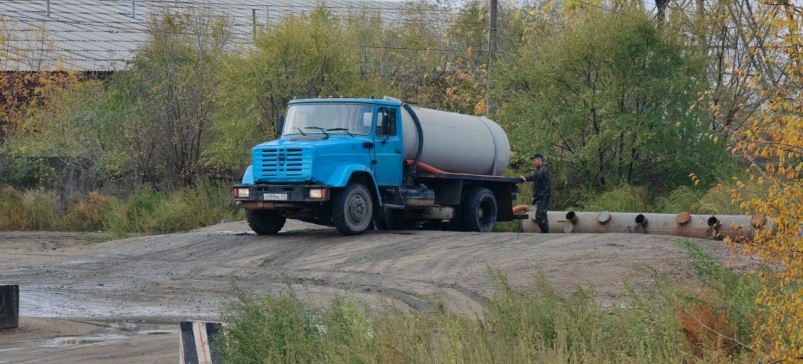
x: 353, y: 210
x: 265, y: 222
x: 480, y: 210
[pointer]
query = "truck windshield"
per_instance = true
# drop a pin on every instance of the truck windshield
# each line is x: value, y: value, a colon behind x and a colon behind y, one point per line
x: 355, y: 119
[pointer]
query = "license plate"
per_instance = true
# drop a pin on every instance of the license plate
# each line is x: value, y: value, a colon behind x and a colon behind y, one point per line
x: 275, y: 197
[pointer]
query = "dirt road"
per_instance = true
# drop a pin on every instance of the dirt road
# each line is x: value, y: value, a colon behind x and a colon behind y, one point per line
x: 118, y: 301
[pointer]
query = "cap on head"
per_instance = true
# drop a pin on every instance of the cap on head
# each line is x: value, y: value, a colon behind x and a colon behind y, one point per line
x: 537, y: 155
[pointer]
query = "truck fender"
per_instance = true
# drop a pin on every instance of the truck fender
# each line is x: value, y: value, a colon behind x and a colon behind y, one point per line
x: 342, y: 174
x: 248, y: 176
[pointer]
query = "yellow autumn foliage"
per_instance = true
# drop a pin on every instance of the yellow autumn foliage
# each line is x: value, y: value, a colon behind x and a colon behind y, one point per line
x: 773, y: 143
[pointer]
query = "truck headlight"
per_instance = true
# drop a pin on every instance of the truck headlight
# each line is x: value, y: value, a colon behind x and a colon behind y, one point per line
x: 242, y: 193
x: 317, y: 193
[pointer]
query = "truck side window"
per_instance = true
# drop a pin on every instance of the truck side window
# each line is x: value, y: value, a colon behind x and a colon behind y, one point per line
x: 386, y: 115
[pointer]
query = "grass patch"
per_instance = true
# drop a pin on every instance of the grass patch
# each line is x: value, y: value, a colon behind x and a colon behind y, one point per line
x: 663, y: 322
x: 144, y: 212
x: 150, y: 212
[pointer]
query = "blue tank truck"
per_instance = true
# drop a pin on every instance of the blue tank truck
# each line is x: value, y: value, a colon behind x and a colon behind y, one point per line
x: 356, y: 164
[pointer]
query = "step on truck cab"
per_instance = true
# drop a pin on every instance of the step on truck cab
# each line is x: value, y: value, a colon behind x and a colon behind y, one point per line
x: 359, y: 163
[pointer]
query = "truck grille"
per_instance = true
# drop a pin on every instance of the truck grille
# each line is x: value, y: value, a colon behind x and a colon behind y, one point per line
x: 282, y: 164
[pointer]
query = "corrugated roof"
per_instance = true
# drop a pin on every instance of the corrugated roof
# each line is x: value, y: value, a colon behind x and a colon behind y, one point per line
x: 102, y: 35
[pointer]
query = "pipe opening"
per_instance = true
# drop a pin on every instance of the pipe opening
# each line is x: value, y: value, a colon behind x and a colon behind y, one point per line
x: 641, y: 220
x: 713, y: 221
x: 571, y: 216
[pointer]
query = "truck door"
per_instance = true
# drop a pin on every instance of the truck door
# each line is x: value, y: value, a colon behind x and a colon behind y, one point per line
x: 388, y: 147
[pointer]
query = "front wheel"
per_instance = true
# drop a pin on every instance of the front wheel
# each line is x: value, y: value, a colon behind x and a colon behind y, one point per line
x: 479, y: 210
x: 265, y: 222
x: 353, y: 210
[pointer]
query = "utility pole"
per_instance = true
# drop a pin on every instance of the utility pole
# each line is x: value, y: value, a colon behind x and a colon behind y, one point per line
x: 491, y: 54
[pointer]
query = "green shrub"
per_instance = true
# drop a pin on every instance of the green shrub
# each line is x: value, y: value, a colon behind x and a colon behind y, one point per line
x: 133, y: 215
x: 192, y: 207
x: 718, y: 203
x: 88, y: 213
x: 623, y: 198
x: 273, y: 330
x: 682, y: 199
x: 150, y: 212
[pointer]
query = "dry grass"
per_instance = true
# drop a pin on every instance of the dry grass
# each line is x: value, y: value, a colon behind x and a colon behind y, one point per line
x: 144, y: 212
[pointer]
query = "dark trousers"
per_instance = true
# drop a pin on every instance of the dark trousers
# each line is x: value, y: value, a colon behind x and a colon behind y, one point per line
x: 540, y: 214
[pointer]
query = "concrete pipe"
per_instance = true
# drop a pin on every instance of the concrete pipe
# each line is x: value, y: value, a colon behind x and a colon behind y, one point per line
x: 683, y: 224
x: 737, y: 226
x: 557, y: 222
x: 600, y: 222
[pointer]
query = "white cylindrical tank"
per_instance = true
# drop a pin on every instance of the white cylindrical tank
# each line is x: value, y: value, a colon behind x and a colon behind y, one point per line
x: 456, y: 143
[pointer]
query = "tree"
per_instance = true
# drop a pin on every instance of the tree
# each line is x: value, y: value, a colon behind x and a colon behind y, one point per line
x: 610, y: 97
x: 428, y: 56
x: 170, y: 97
x: 305, y: 56
x: 774, y: 145
x: 727, y: 32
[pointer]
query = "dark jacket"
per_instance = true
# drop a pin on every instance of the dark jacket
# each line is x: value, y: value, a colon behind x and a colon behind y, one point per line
x: 542, y: 179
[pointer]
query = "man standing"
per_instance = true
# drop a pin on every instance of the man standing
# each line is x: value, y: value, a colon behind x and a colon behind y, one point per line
x: 541, y: 190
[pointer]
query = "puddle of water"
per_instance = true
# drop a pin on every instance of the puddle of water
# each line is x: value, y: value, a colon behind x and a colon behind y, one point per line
x: 112, y: 332
x: 82, y: 340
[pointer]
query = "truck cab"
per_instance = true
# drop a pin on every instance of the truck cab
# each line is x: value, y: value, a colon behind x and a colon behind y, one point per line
x: 338, y: 162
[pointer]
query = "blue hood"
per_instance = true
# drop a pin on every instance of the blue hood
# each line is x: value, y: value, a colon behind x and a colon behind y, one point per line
x: 285, y: 160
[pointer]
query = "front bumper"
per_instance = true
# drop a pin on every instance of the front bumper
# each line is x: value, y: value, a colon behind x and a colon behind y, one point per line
x: 281, y: 194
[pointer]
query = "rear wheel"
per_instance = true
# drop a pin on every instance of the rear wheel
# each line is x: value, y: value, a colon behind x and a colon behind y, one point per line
x: 479, y: 210
x: 352, y: 210
x: 265, y: 222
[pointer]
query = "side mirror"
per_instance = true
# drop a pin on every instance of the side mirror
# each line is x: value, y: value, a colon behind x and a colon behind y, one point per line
x: 280, y: 125
x: 385, y: 125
